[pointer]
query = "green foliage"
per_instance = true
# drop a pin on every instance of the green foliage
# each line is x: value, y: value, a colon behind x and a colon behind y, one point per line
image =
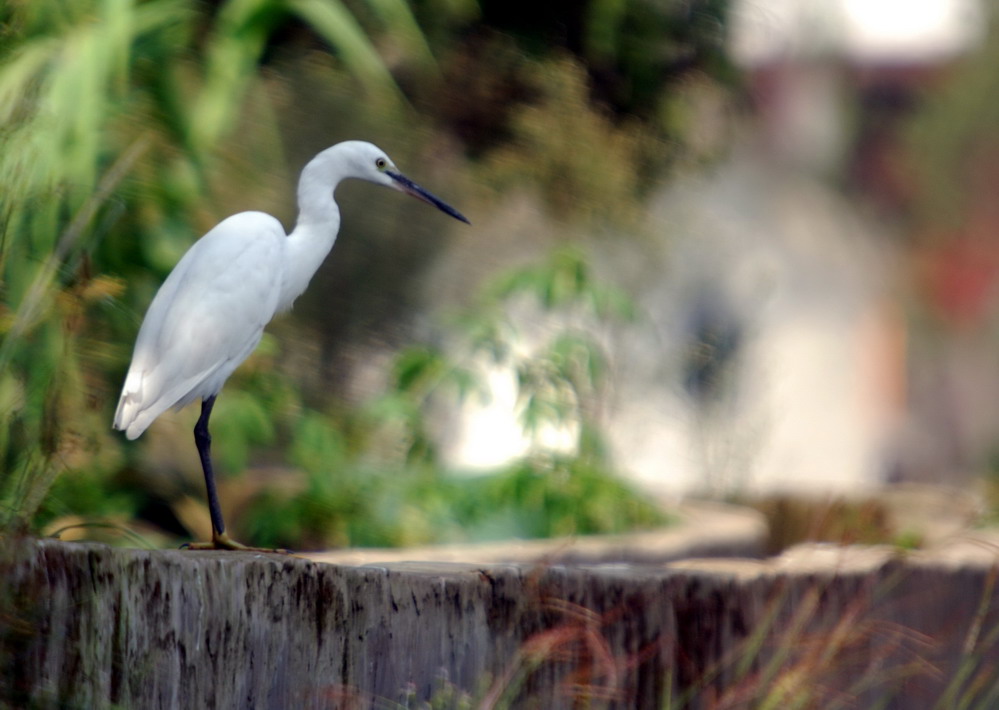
x: 317, y: 446
x: 89, y: 494
x: 62, y: 82
x: 241, y: 421
x: 564, y: 280
x: 353, y: 505
x: 558, y: 496
x: 559, y: 381
x: 388, y: 488
x: 587, y: 165
x: 335, y: 22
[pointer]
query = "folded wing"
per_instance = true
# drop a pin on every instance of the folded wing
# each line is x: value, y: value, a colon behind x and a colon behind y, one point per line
x: 207, y: 317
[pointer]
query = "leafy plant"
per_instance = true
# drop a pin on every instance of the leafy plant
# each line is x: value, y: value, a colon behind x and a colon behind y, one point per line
x: 387, y: 486
x: 589, y: 166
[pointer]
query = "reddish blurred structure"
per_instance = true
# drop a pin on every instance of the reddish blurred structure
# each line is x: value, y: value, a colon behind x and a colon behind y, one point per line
x: 832, y: 83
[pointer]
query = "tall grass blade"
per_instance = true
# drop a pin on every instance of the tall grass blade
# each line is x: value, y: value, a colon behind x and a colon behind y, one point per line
x: 334, y: 22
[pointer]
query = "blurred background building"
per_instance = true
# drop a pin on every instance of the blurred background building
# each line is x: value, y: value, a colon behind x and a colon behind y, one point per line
x: 777, y: 355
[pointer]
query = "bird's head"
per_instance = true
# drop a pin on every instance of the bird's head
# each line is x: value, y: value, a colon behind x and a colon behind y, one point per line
x: 369, y: 162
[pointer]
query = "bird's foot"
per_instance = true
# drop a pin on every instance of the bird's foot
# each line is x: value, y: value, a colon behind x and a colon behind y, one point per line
x: 221, y: 541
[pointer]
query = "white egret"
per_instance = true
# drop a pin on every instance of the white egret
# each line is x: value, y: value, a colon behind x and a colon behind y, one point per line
x: 210, y: 313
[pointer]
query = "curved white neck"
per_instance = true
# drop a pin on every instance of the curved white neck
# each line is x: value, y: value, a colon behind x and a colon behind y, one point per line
x: 317, y: 226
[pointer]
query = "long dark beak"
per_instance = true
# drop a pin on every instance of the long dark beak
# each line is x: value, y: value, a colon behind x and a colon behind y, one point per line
x: 411, y: 188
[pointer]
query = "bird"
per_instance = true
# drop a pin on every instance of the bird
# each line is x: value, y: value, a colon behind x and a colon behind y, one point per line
x: 209, y: 314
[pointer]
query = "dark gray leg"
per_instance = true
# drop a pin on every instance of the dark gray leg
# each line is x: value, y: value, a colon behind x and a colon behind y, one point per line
x: 220, y: 541
x: 203, y: 439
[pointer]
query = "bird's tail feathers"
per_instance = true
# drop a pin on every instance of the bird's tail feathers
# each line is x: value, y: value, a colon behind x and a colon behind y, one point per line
x: 138, y: 407
x: 131, y: 417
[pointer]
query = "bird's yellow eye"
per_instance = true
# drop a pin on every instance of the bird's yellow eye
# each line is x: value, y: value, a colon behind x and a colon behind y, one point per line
x: 381, y: 163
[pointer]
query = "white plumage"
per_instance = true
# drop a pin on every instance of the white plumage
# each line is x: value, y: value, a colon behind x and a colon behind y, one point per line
x: 210, y: 313
x: 205, y: 320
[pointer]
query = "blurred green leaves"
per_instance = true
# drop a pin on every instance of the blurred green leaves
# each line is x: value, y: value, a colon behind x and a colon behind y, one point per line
x: 335, y: 23
x: 559, y: 378
x: 564, y: 280
x: 387, y: 486
x: 589, y: 165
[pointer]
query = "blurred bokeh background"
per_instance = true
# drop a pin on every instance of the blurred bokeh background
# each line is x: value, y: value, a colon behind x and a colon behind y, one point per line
x: 723, y: 248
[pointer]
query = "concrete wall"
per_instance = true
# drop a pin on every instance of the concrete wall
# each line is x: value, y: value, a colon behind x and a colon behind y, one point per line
x: 87, y: 626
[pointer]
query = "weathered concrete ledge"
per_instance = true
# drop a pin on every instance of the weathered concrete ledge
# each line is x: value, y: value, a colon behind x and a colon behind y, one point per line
x: 87, y: 626
x: 700, y: 529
